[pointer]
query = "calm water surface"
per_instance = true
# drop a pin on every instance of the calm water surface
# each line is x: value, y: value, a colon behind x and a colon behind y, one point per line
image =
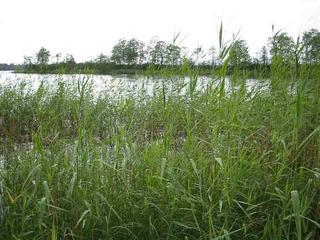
x: 118, y: 85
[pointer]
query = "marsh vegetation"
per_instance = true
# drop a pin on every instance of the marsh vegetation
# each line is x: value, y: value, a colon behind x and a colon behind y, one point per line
x: 221, y: 162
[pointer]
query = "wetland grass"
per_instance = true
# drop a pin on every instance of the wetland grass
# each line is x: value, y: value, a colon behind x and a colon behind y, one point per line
x: 224, y: 163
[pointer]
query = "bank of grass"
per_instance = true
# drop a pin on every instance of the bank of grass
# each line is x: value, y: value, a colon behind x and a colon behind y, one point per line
x: 224, y: 163
x: 114, y: 69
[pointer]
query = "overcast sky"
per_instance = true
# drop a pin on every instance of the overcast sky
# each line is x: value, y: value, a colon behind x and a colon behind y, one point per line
x: 86, y: 28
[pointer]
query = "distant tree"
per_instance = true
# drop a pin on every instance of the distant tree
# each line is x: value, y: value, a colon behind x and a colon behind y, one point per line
x: 118, y: 53
x: 173, y: 54
x: 311, y: 43
x: 239, y: 54
x: 43, y: 56
x: 69, y: 59
x: 58, y: 57
x: 132, y: 51
x: 263, y: 56
x: 6, y: 67
x: 282, y: 46
x: 27, y: 60
x: 256, y: 59
x: 198, y: 55
x: 102, y: 58
x: 128, y: 52
x: 142, y: 52
x: 157, y: 52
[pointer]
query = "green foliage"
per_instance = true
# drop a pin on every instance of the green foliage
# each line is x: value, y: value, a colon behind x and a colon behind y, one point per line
x: 311, y: 42
x: 128, y: 52
x: 158, y: 53
x: 224, y: 161
x: 264, y: 59
x: 43, y: 56
x: 219, y: 162
x: 282, y: 46
x: 239, y: 54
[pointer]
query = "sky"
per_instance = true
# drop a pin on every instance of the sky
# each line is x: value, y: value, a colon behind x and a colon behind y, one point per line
x: 86, y: 28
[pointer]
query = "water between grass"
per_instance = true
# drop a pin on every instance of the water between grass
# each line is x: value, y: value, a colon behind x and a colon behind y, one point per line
x: 121, y: 85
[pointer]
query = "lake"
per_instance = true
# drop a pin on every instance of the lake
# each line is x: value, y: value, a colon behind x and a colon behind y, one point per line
x: 120, y: 85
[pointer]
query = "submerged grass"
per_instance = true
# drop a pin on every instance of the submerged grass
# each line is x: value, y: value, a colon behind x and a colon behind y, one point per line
x: 224, y: 163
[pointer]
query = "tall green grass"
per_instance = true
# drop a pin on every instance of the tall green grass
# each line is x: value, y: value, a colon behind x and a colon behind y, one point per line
x: 224, y: 163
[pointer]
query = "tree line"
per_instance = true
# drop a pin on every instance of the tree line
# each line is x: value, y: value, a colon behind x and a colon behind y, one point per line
x: 7, y: 67
x: 133, y: 55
